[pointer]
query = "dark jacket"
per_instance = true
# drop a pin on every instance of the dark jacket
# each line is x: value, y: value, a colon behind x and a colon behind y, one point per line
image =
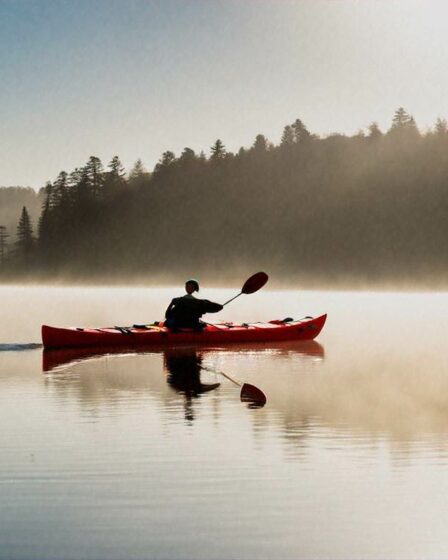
x: 185, y: 312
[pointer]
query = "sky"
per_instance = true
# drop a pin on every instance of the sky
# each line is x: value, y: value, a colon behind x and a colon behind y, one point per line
x: 135, y: 78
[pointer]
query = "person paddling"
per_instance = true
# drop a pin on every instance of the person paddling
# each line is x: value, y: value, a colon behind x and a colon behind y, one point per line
x: 185, y: 312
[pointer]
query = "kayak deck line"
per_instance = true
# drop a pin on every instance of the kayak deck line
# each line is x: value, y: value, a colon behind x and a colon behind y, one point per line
x: 222, y: 333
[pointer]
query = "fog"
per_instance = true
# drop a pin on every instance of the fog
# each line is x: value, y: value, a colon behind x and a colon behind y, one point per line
x: 334, y: 212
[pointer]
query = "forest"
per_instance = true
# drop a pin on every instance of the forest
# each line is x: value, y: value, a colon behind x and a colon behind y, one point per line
x: 336, y: 211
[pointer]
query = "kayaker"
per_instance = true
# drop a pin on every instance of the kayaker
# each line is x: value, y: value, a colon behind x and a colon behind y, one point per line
x: 185, y: 312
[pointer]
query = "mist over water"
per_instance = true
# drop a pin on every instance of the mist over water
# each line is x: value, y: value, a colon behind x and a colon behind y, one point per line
x: 350, y: 445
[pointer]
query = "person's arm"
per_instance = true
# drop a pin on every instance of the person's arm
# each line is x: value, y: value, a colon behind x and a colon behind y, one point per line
x: 169, y: 308
x: 211, y: 307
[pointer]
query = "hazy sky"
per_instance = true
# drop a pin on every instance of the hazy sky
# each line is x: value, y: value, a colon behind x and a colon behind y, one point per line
x: 138, y: 77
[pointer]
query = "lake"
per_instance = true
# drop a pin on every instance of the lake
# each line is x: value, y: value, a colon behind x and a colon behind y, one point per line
x: 106, y: 457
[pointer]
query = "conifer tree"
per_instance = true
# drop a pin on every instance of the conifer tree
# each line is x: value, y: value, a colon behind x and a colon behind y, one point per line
x: 441, y: 127
x: 43, y: 224
x: 75, y: 177
x: 94, y: 173
x: 167, y: 159
x: 25, y: 240
x: 261, y: 143
x: 374, y: 131
x: 300, y: 132
x: 60, y: 191
x: 403, y: 122
x: 137, y: 176
x: 400, y: 119
x: 116, y: 168
x: 138, y: 170
x: 114, y: 180
x: 188, y: 155
x: 218, y: 150
x: 287, y: 136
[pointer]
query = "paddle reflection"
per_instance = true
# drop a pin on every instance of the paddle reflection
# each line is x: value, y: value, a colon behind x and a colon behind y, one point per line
x: 183, y: 368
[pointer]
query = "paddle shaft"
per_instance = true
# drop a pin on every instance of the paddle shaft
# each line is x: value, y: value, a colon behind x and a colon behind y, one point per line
x: 249, y: 393
x: 223, y: 374
x: 234, y: 297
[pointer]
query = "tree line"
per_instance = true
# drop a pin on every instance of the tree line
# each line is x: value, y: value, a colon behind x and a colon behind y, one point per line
x: 371, y: 207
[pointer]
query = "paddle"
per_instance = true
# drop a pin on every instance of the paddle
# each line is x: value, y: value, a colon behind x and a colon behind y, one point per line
x: 252, y: 284
x: 249, y: 393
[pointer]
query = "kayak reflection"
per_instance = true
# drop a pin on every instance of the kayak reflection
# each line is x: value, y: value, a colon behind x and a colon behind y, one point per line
x: 53, y: 359
x: 183, y: 367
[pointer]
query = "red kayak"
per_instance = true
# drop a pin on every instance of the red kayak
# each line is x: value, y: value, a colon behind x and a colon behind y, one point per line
x: 159, y: 335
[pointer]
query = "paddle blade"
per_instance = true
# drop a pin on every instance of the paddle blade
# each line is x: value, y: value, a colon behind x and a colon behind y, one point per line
x: 254, y: 283
x: 252, y: 395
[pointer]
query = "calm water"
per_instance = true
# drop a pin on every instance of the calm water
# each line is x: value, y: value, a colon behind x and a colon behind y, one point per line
x: 108, y: 458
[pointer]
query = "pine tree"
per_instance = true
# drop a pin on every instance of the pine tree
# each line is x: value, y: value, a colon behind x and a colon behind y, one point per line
x: 114, y: 180
x: 300, y: 131
x: 94, y: 173
x: 261, y: 144
x: 187, y: 155
x: 60, y: 190
x: 43, y: 224
x: 374, y: 132
x: 400, y: 119
x: 167, y: 159
x: 138, y: 171
x: 218, y: 151
x: 75, y: 177
x: 25, y: 240
x: 441, y: 127
x: 403, y: 123
x: 137, y: 176
x: 287, y: 136
x: 116, y: 168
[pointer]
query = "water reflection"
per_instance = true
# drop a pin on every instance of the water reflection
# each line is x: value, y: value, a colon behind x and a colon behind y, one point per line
x: 337, y: 402
x: 183, y: 368
x: 99, y: 374
x: 55, y: 359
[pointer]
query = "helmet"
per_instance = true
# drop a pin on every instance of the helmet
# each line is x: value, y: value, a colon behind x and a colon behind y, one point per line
x: 194, y: 282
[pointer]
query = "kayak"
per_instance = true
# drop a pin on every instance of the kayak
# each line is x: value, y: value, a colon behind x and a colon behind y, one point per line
x: 159, y: 335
